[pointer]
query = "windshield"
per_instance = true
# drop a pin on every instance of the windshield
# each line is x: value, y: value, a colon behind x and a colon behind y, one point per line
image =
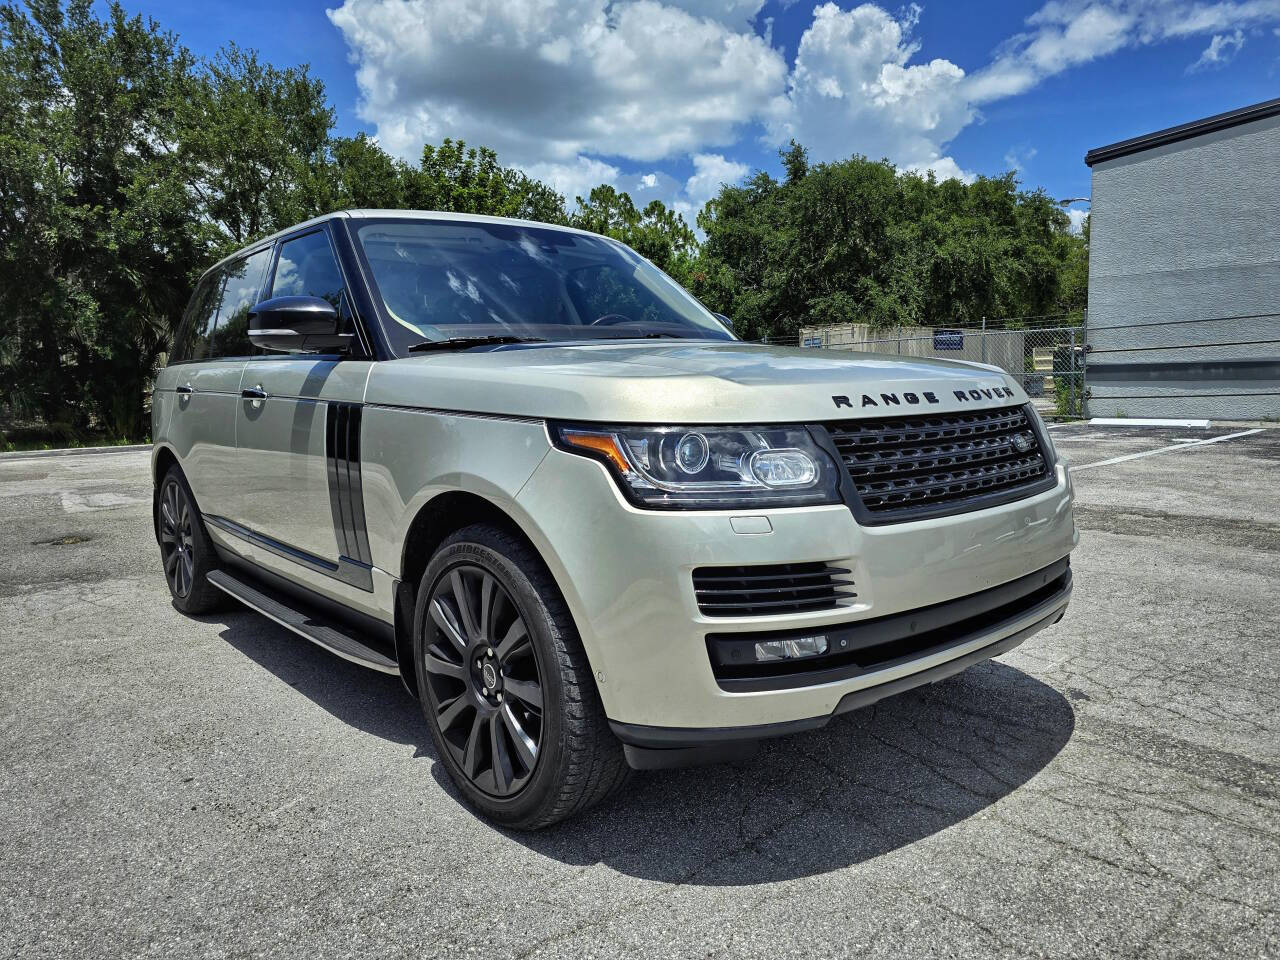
x: 442, y: 279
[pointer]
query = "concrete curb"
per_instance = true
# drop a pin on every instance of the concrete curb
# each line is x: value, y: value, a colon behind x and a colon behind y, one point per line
x: 70, y: 452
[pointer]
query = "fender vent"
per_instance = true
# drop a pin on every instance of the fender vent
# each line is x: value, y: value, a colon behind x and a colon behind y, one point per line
x: 346, y: 494
x: 769, y: 590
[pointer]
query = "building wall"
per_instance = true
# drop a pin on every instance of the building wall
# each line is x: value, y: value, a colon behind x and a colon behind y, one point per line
x: 1187, y: 231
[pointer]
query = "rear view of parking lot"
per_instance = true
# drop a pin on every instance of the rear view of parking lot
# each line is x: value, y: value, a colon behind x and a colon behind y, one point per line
x: 218, y: 787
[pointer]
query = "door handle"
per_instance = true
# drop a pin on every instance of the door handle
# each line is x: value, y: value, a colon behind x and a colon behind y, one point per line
x: 184, y: 390
x: 254, y: 393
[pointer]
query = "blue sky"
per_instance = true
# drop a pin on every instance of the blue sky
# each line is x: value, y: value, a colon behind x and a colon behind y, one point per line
x: 667, y: 98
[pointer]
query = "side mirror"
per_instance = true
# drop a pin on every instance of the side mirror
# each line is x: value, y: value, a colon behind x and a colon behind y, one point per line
x: 728, y: 324
x: 297, y: 325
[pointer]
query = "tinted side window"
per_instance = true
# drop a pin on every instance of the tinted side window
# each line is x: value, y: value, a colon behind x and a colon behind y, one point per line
x: 192, y: 340
x: 307, y: 268
x: 240, y: 294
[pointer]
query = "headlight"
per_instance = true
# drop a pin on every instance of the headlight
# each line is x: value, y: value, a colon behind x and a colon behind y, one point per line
x: 709, y: 467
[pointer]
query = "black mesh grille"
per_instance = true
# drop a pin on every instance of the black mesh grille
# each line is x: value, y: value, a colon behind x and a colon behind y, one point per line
x: 770, y: 590
x: 903, y: 465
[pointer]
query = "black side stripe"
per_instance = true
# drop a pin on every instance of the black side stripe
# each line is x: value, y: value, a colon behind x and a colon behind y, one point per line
x: 346, y: 494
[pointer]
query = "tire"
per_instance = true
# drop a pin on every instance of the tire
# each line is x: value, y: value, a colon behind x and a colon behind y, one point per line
x: 185, y: 551
x: 503, y: 677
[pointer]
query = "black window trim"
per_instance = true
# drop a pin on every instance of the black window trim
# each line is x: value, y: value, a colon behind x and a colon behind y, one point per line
x: 274, y: 245
x: 356, y: 321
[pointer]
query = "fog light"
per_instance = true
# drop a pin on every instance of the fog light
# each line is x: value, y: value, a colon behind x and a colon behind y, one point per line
x: 791, y: 649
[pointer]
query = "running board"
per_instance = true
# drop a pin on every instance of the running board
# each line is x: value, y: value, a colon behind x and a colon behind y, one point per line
x: 334, y: 637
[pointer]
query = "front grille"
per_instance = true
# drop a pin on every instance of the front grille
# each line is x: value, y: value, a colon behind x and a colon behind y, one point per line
x: 771, y: 589
x: 934, y: 464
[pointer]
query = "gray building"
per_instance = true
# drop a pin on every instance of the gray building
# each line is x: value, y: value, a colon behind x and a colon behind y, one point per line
x: 1185, y: 226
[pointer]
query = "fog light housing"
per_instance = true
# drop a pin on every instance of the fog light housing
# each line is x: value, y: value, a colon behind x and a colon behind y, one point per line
x: 796, y: 648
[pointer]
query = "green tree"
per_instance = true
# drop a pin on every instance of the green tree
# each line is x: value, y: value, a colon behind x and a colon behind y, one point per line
x: 91, y: 264
x: 656, y: 232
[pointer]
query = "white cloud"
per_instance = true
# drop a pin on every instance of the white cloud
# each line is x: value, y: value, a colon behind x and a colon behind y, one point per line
x: 574, y: 178
x: 944, y: 168
x: 1078, y: 218
x: 649, y: 181
x: 1222, y: 49
x: 710, y: 171
x: 854, y: 90
x: 1066, y: 33
x: 734, y: 13
x: 552, y: 81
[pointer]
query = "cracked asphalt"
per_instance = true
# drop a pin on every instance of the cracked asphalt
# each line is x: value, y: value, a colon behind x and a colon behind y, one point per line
x: 220, y: 788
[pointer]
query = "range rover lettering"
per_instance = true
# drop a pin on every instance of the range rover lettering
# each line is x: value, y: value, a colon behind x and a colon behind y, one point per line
x: 589, y: 528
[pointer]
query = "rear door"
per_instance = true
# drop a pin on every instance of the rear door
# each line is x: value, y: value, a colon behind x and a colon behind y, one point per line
x: 202, y: 391
x: 297, y: 433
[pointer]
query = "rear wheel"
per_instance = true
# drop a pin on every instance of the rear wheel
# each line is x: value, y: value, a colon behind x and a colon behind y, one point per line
x: 185, y: 550
x: 507, y: 690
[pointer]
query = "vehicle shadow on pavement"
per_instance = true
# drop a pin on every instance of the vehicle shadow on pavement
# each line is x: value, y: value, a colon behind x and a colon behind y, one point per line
x: 868, y: 783
x: 373, y: 702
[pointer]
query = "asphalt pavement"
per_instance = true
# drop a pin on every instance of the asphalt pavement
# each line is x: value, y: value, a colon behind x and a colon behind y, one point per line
x: 217, y: 787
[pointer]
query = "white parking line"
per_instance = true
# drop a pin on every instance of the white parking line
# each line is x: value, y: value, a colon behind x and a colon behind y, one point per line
x: 1185, y: 445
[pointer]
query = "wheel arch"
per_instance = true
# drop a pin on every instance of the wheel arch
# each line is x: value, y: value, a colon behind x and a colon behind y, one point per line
x: 162, y: 459
x: 438, y: 518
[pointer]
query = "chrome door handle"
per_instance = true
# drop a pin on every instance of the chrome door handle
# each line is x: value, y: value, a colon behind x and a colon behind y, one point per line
x: 185, y: 389
x: 255, y: 395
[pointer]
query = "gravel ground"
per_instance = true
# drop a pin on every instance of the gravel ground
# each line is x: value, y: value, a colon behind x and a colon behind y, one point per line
x: 220, y: 788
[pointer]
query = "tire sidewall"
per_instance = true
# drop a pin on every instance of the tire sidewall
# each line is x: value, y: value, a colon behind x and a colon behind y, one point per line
x: 204, y: 559
x: 468, y: 547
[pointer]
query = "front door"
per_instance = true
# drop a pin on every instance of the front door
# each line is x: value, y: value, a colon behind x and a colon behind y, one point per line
x: 297, y: 434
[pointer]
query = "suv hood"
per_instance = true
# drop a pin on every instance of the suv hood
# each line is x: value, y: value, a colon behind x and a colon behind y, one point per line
x: 686, y: 382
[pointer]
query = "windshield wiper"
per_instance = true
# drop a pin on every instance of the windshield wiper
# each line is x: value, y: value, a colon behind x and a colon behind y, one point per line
x: 462, y: 343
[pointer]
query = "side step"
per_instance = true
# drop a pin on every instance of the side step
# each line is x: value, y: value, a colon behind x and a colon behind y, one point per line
x: 334, y: 637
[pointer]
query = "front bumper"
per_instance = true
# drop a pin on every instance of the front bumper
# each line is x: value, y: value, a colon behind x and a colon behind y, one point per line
x: 626, y: 575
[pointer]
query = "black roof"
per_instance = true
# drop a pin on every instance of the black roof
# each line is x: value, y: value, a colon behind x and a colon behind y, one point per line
x: 1185, y: 131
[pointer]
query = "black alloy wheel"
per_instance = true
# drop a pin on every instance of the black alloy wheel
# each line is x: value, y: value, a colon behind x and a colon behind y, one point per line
x: 185, y: 550
x: 177, y: 538
x: 484, y: 680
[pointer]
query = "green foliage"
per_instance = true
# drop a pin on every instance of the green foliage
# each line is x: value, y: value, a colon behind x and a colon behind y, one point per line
x: 860, y: 242
x: 656, y: 232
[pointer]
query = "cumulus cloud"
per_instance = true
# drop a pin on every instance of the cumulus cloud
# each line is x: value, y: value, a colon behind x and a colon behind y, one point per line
x: 1078, y: 217
x: 1221, y: 50
x: 549, y: 81
x: 853, y: 89
x: 710, y: 171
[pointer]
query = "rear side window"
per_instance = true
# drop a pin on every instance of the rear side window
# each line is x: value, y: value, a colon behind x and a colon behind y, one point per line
x: 307, y: 268
x: 196, y: 329
x: 244, y: 279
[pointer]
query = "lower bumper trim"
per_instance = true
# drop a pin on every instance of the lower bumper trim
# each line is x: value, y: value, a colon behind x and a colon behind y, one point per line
x: 679, y: 740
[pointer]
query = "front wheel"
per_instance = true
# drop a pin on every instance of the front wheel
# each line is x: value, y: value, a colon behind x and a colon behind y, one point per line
x: 505, y: 685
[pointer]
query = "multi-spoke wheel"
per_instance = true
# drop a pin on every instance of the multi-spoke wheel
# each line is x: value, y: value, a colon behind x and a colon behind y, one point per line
x: 505, y: 685
x: 486, y: 687
x: 176, y: 539
x: 184, y: 548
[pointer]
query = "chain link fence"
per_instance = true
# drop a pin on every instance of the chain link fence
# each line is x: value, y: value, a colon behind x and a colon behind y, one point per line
x: 1045, y: 354
x: 1225, y: 367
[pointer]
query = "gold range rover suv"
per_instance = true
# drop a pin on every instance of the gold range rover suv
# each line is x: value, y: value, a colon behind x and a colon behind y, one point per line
x: 519, y: 467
